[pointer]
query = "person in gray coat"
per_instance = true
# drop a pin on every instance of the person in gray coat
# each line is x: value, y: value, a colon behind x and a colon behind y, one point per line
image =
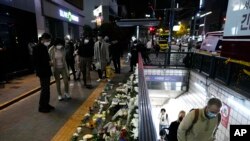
x: 101, y: 56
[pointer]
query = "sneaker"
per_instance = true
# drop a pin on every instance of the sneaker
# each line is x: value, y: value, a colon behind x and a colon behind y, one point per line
x: 98, y: 80
x: 67, y: 96
x: 60, y: 98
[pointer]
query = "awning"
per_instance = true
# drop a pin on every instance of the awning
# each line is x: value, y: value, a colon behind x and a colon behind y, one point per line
x: 137, y: 22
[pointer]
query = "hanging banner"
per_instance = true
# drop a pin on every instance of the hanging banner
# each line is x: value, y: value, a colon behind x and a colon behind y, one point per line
x: 225, y: 113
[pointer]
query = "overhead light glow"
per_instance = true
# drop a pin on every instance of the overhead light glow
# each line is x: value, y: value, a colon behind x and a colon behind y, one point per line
x: 208, y: 13
x: 201, y: 25
x: 176, y: 28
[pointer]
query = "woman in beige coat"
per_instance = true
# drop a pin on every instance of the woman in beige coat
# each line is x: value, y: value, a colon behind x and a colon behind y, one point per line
x: 59, y: 68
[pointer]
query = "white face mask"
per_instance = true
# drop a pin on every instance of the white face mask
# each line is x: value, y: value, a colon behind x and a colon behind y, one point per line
x: 86, y: 41
x: 59, y: 46
x: 46, y: 43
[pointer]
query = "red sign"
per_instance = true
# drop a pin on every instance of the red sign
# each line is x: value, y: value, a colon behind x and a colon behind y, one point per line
x: 225, y: 113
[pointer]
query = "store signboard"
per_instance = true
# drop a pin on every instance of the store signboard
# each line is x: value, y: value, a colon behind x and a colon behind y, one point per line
x: 97, y: 11
x: 56, y: 11
x: 238, y: 18
x: 68, y: 15
x: 166, y: 78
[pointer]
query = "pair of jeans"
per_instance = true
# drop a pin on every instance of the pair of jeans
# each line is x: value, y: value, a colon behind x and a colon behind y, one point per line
x: 61, y: 72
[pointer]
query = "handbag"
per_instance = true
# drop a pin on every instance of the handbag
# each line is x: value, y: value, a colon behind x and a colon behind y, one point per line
x: 97, y: 65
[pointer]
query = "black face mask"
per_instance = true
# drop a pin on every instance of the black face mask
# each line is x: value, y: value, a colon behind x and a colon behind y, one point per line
x: 180, y: 119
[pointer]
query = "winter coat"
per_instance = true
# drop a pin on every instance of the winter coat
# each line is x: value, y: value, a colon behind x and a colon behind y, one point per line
x: 203, y: 130
x: 41, y: 61
x: 52, y: 56
x: 101, y: 56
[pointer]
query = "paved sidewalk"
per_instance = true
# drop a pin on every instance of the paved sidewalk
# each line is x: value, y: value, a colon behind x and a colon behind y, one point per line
x: 24, y: 86
x: 17, y: 87
x: 22, y: 121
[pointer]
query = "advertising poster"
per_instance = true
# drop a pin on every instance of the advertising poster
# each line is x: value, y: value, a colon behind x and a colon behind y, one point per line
x: 225, y: 113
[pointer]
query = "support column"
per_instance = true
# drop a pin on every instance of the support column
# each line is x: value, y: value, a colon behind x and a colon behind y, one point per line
x: 137, y: 32
x: 66, y: 29
x: 40, y: 19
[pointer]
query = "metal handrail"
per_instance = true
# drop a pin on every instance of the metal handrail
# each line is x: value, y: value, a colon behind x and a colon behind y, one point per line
x: 147, y: 130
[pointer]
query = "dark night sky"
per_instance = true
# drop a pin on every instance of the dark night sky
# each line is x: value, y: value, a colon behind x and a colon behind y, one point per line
x: 138, y: 8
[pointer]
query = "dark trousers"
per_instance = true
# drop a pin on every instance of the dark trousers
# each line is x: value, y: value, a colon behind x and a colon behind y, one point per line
x: 85, y: 65
x: 133, y: 61
x: 45, y: 92
x: 100, y: 73
x: 117, y: 64
x: 71, y: 64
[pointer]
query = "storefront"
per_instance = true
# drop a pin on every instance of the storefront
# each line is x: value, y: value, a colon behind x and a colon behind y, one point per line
x: 17, y: 29
x: 104, y: 14
x: 60, y: 21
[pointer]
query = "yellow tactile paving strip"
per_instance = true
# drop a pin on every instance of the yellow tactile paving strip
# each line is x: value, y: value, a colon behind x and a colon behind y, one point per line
x: 66, y: 132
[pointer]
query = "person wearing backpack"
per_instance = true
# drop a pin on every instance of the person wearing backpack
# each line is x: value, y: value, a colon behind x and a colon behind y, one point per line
x: 201, y: 124
x: 163, y: 117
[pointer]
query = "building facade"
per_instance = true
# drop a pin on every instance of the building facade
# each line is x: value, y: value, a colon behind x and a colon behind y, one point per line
x: 24, y: 21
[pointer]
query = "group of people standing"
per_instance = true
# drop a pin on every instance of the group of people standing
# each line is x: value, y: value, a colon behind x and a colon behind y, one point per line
x: 57, y: 57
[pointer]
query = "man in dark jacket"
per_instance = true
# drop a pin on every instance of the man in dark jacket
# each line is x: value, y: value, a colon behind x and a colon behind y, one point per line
x: 134, y: 55
x: 115, y: 53
x: 86, y: 53
x: 70, y: 60
x: 172, y: 136
x: 42, y: 65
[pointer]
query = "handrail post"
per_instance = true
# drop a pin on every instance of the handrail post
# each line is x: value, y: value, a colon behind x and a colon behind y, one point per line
x: 147, y: 130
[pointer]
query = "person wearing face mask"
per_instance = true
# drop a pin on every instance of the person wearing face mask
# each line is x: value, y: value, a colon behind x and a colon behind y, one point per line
x: 59, y: 68
x: 70, y: 59
x: 86, y: 53
x: 172, y: 135
x: 134, y: 55
x: 201, y: 124
x: 101, y: 56
x: 42, y: 64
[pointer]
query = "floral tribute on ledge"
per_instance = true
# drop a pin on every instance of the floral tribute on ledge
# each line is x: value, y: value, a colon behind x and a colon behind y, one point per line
x: 114, y: 115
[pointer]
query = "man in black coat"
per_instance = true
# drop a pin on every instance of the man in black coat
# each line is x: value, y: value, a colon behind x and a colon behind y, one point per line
x: 115, y: 53
x: 86, y: 53
x: 42, y: 66
x: 172, y: 136
x: 70, y: 59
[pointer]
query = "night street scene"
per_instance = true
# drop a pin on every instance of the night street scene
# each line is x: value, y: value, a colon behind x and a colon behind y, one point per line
x: 124, y: 70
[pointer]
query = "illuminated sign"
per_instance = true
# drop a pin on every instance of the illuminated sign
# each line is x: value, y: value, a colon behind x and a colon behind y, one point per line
x: 238, y: 18
x: 97, y: 11
x: 68, y: 15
